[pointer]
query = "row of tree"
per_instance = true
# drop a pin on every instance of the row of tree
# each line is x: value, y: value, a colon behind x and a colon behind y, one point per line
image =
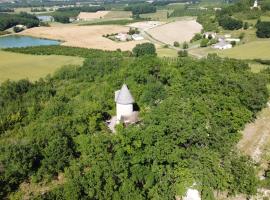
x: 10, y: 20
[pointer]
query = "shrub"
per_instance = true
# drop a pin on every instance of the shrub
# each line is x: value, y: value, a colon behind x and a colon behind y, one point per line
x: 144, y: 49
x: 185, y: 45
x: 196, y: 37
x: 176, y: 44
x: 246, y: 25
x: 182, y: 53
x: 204, y: 43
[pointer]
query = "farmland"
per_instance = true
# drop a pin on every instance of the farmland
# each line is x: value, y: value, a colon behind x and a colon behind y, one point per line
x: 84, y: 36
x: 179, y: 31
x: 31, y: 66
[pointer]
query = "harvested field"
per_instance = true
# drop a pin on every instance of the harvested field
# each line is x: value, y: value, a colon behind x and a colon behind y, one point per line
x: 179, y: 31
x: 86, y: 16
x: 84, y: 36
x: 145, y: 25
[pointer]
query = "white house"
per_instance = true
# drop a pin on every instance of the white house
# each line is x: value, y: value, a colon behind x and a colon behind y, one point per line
x: 222, y: 45
x: 137, y: 37
x: 123, y: 37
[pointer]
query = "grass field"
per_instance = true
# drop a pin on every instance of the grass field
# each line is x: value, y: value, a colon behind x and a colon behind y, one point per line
x: 16, y: 66
x: 160, y: 15
x: 166, y: 52
x: 256, y: 49
x: 118, y: 14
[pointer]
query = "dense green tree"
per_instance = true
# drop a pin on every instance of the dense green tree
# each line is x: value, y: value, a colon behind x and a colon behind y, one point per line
x: 144, y: 49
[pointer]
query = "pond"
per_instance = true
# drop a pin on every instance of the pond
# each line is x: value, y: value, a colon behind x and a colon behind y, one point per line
x: 24, y: 41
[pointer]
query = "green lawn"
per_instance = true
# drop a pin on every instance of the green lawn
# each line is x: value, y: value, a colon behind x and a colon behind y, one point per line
x: 15, y: 66
x: 166, y: 52
x: 251, y: 50
x: 118, y: 14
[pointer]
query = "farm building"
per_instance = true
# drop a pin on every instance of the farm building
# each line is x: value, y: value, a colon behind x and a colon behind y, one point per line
x: 123, y: 37
x: 45, y: 18
x: 232, y: 40
x: 222, y: 45
x: 137, y: 37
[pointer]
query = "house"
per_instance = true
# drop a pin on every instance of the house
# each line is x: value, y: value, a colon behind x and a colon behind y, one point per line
x: 255, y: 5
x: 213, y: 35
x: 45, y: 18
x: 137, y: 37
x: 123, y: 37
x: 232, y: 39
x: 124, y: 109
x: 222, y: 45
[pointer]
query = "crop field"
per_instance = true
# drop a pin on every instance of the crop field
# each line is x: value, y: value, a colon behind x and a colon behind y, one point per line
x: 84, y: 36
x: 16, y: 66
x: 179, y: 31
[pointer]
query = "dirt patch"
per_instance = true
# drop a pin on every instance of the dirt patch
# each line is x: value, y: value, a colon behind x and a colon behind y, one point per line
x: 179, y: 31
x: 84, y: 36
x: 256, y: 135
x: 86, y: 16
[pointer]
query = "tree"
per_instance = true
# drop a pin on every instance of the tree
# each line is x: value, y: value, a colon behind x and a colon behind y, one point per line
x: 176, y: 44
x: 230, y: 23
x: 246, y: 26
x: 185, y: 45
x: 144, y: 49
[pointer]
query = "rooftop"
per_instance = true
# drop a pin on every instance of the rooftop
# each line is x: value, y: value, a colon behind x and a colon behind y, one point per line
x: 123, y: 96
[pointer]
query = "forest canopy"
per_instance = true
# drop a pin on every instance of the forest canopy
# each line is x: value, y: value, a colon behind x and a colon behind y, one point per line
x: 191, y: 112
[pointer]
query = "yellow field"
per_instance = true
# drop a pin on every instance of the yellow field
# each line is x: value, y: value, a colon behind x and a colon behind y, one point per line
x: 16, y: 66
x: 166, y: 52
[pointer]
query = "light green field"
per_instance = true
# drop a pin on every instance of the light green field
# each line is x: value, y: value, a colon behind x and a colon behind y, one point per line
x: 118, y: 14
x: 166, y: 52
x: 255, y: 49
x: 257, y: 67
x: 16, y: 66
x: 159, y: 15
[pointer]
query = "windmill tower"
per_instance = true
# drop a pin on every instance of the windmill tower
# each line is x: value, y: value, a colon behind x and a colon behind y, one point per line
x: 124, y: 103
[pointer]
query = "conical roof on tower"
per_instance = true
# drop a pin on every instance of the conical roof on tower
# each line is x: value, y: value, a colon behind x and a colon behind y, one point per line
x: 124, y: 96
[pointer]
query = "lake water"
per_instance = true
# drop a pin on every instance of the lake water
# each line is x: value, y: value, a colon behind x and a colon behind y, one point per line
x: 24, y: 41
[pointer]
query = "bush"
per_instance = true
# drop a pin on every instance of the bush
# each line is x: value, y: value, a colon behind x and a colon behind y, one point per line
x: 182, y: 53
x: 263, y: 30
x: 17, y: 29
x: 246, y: 25
x: 176, y: 44
x: 144, y: 49
x: 204, y: 42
